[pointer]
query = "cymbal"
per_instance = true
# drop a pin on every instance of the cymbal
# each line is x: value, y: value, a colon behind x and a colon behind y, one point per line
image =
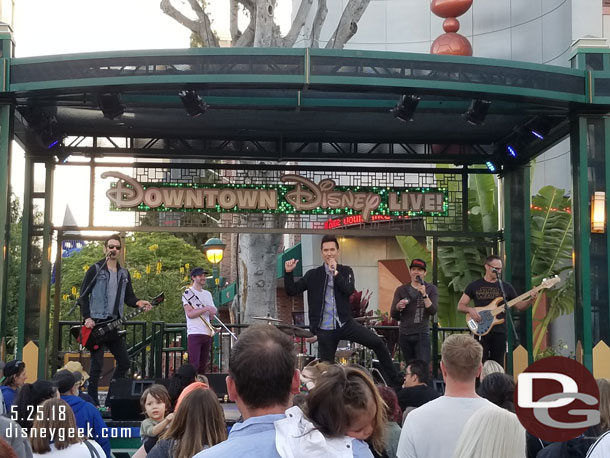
x: 295, y: 330
x: 266, y: 318
x: 361, y: 319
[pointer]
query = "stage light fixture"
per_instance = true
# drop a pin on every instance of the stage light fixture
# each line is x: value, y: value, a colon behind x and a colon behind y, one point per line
x: 405, y: 108
x: 477, y: 111
x: 511, y: 151
x: 540, y: 128
x: 193, y: 104
x: 490, y: 166
x: 62, y: 155
x: 110, y: 105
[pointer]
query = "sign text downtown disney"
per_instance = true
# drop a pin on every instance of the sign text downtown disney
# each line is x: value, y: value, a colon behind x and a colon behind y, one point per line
x: 293, y: 195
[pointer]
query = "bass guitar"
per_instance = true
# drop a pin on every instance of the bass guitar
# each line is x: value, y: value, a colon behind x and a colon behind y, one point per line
x: 489, y: 313
x: 92, y: 338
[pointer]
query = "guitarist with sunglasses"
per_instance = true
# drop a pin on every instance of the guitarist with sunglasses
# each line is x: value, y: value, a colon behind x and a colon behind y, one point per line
x: 105, y: 288
x: 482, y: 292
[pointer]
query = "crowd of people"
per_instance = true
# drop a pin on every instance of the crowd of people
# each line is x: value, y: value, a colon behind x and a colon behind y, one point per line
x: 332, y: 411
x: 343, y: 413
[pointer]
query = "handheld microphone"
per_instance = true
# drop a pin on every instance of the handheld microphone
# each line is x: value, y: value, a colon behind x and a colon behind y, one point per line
x: 419, y: 280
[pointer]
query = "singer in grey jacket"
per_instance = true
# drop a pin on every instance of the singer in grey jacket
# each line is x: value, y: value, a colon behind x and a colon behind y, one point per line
x: 413, y: 305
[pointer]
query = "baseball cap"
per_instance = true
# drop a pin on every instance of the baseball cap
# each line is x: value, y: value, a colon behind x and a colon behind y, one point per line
x: 418, y: 263
x: 198, y: 271
x: 64, y: 380
x: 13, y: 367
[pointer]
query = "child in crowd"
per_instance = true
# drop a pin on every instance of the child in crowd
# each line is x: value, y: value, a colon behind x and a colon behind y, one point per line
x: 343, y: 410
x: 199, y: 424
x: 155, y: 403
x: 14, y: 378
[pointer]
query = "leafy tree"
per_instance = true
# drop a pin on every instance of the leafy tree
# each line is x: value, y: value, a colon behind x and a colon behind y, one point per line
x: 156, y: 261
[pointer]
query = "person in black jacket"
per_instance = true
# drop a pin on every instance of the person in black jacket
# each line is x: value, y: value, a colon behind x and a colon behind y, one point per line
x: 329, y: 288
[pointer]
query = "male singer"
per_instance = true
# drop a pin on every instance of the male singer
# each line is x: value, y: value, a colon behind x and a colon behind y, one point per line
x: 329, y: 288
x: 105, y: 288
x: 482, y: 292
x: 413, y: 305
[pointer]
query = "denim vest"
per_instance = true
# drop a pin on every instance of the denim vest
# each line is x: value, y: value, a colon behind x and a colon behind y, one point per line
x: 98, y: 301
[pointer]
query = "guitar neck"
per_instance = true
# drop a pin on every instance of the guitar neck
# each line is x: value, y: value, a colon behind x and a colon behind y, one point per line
x: 522, y: 297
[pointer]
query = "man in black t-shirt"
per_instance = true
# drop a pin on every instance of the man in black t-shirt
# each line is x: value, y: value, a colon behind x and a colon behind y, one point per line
x: 482, y: 292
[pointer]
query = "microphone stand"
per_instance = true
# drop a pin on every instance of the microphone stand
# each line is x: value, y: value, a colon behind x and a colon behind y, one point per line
x: 507, y: 311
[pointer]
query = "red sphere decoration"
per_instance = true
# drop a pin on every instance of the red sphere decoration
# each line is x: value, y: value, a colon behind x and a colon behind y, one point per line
x: 450, y: 8
x: 451, y: 43
x: 451, y: 25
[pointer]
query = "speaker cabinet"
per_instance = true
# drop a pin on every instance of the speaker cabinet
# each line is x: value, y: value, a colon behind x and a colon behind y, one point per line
x: 218, y: 383
x: 124, y: 398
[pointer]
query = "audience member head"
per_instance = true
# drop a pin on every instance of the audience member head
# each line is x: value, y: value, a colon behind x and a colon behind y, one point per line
x: 78, y: 371
x: 56, y: 416
x: 498, y: 388
x: 66, y: 383
x: 393, y: 412
x: 345, y: 402
x: 30, y: 395
x: 604, y: 404
x: 188, y: 389
x: 491, y: 367
x: 183, y: 377
x: 262, y: 369
x: 417, y: 373
x: 491, y: 432
x: 6, y: 450
x: 14, y: 374
x: 155, y: 402
x: 199, y: 421
x: 461, y: 358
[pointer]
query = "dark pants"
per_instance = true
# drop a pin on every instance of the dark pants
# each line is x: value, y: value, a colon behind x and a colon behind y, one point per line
x: 199, y: 346
x: 494, y: 346
x: 355, y: 332
x: 415, y: 346
x: 116, y: 346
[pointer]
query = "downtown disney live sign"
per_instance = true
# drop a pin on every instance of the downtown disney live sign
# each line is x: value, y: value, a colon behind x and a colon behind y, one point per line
x: 293, y: 195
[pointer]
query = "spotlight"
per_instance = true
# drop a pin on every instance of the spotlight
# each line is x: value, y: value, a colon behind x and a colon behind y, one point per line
x: 61, y: 155
x: 193, y: 104
x: 540, y: 128
x: 50, y: 134
x: 111, y: 105
x: 490, y: 166
x: 477, y: 111
x: 511, y: 151
x: 405, y: 108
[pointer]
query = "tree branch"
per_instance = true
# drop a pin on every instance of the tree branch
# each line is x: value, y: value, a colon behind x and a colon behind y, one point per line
x: 234, y: 30
x: 247, y: 38
x: 348, y: 24
x: 263, y: 31
x: 318, y: 22
x: 172, y: 12
x: 297, y: 24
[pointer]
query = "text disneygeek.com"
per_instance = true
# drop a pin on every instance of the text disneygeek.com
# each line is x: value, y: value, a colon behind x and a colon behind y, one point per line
x: 60, y: 434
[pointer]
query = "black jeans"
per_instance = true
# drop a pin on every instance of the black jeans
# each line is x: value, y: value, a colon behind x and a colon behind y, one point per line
x: 494, y: 346
x: 355, y: 332
x: 116, y: 345
x: 415, y: 346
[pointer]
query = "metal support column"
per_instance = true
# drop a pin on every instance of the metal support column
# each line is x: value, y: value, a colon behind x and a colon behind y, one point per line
x: 518, y: 252
x: 6, y: 134
x: 582, y: 237
x: 45, y: 274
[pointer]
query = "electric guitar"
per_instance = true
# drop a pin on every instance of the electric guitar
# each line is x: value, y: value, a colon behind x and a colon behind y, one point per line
x: 92, y: 338
x: 489, y: 312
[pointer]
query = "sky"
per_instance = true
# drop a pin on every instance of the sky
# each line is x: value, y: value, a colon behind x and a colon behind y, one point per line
x: 46, y: 27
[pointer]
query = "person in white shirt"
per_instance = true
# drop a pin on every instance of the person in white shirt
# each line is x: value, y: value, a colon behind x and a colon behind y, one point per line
x: 199, y: 309
x: 433, y: 430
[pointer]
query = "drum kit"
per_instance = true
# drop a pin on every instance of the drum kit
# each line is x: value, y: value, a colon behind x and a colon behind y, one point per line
x: 347, y: 352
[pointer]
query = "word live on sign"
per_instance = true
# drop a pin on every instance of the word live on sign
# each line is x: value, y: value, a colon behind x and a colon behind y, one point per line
x: 294, y: 194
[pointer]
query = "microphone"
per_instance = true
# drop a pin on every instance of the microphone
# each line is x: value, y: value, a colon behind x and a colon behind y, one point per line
x: 419, y: 280
x: 495, y: 271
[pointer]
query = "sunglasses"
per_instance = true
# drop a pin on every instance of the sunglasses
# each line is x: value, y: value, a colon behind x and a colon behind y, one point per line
x: 114, y: 247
